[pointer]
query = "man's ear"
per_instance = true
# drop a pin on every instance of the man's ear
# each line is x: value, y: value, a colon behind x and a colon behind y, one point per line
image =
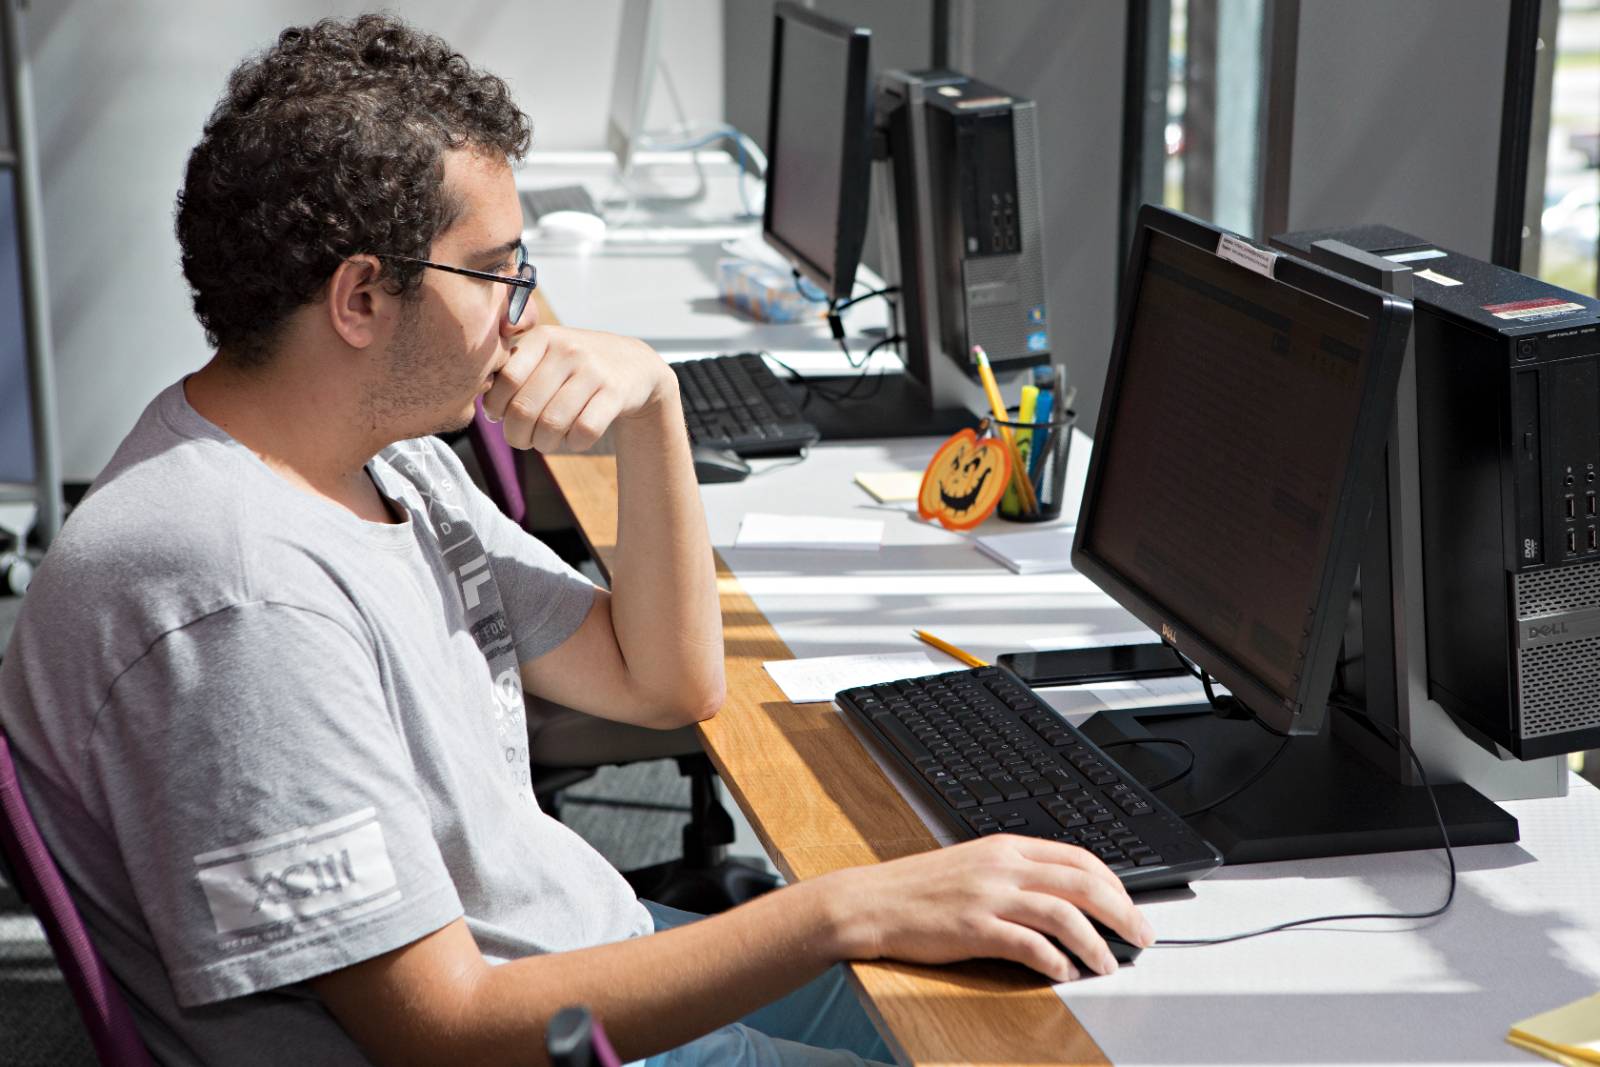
x: 357, y: 300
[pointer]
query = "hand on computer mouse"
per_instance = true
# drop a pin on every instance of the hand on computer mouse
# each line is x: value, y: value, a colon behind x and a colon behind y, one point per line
x: 1003, y: 896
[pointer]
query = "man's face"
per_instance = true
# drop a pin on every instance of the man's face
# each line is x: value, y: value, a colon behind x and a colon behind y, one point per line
x: 452, y: 334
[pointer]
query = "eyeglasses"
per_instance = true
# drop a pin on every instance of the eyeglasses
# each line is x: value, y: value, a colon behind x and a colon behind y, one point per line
x: 526, y: 281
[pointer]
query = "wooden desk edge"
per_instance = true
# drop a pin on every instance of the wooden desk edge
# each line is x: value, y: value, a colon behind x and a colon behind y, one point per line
x: 966, y: 1013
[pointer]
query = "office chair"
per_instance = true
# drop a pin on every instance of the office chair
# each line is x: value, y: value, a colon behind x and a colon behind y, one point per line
x: 566, y: 747
x: 105, y: 1014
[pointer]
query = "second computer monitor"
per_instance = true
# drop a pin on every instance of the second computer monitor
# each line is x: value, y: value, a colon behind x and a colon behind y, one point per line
x: 1240, y: 444
x: 819, y: 137
x: 638, y: 44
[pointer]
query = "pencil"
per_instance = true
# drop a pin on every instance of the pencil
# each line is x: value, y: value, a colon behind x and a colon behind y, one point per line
x: 946, y: 647
x: 991, y: 389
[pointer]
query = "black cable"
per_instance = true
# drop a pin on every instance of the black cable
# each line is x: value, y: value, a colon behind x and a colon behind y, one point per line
x: 799, y: 379
x: 1175, y: 779
x: 888, y: 290
x: 1246, y: 784
x: 836, y: 327
x: 836, y: 324
x: 798, y: 458
x: 800, y: 287
x: 849, y: 392
x: 1444, y: 833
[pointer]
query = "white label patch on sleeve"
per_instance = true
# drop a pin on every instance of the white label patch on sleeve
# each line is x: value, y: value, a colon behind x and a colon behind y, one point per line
x: 311, y: 876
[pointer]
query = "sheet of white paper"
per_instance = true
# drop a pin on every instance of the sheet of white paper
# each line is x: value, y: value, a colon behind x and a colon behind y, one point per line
x: 806, y: 681
x: 764, y: 530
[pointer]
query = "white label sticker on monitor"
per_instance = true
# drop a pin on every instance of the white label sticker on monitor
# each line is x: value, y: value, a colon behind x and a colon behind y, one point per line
x: 1246, y: 254
x: 1412, y: 257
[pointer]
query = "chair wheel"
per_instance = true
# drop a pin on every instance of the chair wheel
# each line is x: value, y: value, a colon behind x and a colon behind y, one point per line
x: 15, y: 573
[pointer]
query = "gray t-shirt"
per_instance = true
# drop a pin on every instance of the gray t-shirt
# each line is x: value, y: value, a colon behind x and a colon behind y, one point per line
x: 266, y: 739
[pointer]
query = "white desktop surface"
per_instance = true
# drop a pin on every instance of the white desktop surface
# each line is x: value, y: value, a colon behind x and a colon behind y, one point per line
x: 1522, y: 936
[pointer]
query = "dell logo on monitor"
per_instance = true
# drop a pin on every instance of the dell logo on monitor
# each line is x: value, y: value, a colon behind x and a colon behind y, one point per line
x: 1168, y: 634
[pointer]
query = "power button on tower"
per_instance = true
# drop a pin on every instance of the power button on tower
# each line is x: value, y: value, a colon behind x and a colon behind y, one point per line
x: 1527, y: 348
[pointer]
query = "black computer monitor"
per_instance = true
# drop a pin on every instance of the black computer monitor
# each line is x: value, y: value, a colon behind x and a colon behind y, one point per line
x: 1240, y: 442
x: 819, y: 146
x: 1239, y: 451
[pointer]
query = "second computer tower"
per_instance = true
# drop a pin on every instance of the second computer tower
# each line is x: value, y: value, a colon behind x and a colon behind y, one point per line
x: 967, y: 208
x: 1508, y: 440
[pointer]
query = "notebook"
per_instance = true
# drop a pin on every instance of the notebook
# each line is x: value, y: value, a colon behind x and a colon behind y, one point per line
x: 1031, y: 551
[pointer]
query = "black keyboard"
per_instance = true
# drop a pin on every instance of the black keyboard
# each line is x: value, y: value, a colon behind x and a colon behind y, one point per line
x: 994, y: 758
x: 736, y: 402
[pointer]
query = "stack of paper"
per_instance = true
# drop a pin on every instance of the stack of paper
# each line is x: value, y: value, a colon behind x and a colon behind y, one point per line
x: 762, y: 530
x: 1569, y: 1035
x: 1031, y: 551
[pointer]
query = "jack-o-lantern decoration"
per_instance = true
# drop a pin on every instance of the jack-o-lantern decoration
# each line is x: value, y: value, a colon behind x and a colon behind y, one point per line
x: 964, y: 481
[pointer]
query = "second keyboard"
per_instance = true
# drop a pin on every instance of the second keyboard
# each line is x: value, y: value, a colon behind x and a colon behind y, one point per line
x: 736, y: 402
x: 992, y: 757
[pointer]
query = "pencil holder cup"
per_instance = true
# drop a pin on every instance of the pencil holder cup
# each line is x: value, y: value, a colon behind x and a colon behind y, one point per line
x: 1041, y: 451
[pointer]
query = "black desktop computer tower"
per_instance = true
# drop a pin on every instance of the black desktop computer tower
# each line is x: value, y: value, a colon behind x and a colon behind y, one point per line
x: 966, y: 214
x: 1508, y: 445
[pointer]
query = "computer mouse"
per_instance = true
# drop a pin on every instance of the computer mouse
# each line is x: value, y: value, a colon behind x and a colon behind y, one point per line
x: 1122, y: 950
x: 576, y: 227
x: 718, y: 465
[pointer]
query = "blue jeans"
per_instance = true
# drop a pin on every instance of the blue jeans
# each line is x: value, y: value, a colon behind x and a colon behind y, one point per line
x: 821, y: 1024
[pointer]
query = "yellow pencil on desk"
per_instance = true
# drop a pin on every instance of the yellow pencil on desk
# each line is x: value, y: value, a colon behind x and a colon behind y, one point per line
x: 948, y: 649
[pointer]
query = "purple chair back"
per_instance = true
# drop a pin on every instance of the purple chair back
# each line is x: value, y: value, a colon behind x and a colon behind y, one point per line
x: 499, y: 465
x: 105, y: 1014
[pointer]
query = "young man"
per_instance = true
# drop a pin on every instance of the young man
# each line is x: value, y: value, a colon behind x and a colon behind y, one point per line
x: 266, y: 692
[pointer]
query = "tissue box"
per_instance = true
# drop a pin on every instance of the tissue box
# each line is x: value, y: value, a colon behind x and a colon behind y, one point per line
x: 762, y: 292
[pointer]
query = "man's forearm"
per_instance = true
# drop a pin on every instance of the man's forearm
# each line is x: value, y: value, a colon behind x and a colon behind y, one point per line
x: 664, y: 605
x: 651, y: 993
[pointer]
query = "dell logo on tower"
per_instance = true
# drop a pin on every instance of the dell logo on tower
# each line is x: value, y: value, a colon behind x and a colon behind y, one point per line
x: 1549, y: 629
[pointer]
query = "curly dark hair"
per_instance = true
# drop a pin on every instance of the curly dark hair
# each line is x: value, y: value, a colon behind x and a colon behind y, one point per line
x: 328, y: 144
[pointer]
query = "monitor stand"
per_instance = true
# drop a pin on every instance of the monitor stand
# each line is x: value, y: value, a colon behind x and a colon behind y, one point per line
x: 1321, y: 798
x: 890, y: 404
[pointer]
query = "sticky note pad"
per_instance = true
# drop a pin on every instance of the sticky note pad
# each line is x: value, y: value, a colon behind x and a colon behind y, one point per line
x: 1567, y: 1035
x: 890, y: 487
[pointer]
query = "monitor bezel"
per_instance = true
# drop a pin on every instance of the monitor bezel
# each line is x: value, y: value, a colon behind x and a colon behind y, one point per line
x: 836, y: 279
x: 638, y: 48
x: 1389, y: 319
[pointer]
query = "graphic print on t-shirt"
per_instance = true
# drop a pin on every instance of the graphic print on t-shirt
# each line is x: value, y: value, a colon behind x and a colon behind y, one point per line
x: 479, y: 598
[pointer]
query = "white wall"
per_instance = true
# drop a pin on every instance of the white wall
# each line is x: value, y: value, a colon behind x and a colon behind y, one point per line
x: 122, y: 90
